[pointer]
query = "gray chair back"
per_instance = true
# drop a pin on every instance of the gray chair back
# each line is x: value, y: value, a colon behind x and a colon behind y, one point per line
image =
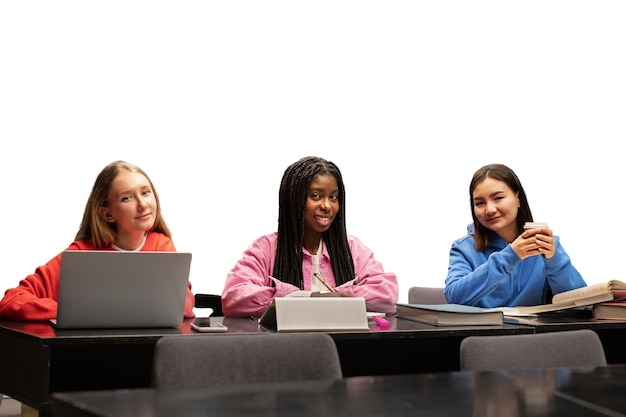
x: 573, y: 348
x: 426, y: 295
x: 211, y: 360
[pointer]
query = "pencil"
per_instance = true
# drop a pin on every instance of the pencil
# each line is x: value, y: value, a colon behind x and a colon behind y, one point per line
x: 323, y: 281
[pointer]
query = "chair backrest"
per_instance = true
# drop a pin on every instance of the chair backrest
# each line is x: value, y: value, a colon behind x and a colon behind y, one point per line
x: 573, y: 348
x: 212, y: 301
x: 210, y: 360
x: 426, y: 295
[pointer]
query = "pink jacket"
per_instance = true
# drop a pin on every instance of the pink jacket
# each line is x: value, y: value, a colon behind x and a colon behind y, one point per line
x: 35, y: 298
x: 250, y: 287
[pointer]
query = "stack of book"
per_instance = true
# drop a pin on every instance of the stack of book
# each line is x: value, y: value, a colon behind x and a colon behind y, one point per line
x: 607, y: 300
x: 613, y: 309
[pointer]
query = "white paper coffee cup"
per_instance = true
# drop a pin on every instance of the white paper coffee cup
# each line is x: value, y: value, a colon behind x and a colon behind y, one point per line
x: 535, y: 225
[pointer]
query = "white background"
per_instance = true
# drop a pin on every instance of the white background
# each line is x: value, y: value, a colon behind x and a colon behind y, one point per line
x: 214, y: 99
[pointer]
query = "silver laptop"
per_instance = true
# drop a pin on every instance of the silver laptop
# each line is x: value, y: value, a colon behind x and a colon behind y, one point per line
x: 113, y: 289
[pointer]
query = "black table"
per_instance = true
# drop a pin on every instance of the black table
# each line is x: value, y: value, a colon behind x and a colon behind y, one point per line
x: 36, y: 359
x: 549, y: 392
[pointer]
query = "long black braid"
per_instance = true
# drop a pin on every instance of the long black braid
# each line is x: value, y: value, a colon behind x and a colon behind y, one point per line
x: 292, y: 197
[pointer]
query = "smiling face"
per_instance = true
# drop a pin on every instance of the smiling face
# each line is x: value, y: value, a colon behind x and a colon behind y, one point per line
x: 496, y: 206
x: 131, y: 204
x: 322, y: 205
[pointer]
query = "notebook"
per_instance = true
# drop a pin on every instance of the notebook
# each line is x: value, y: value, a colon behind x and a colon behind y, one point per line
x: 113, y: 289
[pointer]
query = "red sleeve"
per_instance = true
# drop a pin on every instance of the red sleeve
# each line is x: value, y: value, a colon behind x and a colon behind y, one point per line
x: 35, y: 298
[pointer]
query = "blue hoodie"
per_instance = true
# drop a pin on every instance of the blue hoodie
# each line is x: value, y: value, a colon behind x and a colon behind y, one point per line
x: 498, y: 277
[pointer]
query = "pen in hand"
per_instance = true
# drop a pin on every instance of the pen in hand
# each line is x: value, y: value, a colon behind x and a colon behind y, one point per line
x: 323, y: 281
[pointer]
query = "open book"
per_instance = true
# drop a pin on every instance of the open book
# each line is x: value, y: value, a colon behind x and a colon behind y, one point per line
x: 585, y: 296
x: 449, y: 314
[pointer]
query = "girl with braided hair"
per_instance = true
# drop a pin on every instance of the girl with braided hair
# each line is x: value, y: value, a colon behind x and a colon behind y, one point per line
x: 311, y: 253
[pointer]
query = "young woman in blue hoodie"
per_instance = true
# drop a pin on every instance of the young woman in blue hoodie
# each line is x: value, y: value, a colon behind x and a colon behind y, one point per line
x: 499, y: 263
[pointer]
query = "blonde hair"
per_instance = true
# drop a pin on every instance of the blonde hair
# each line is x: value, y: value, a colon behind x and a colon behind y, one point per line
x: 93, y: 227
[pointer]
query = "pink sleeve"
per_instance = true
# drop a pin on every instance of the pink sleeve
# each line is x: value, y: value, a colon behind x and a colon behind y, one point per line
x: 377, y: 287
x: 249, y: 286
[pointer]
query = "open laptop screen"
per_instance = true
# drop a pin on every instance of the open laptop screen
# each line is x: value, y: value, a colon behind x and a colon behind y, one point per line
x: 114, y: 289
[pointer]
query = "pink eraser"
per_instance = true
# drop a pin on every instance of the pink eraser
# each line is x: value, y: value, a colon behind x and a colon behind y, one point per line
x: 382, y: 323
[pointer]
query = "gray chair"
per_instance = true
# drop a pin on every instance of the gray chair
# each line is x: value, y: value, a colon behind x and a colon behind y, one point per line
x: 210, y: 360
x: 572, y: 348
x: 426, y: 295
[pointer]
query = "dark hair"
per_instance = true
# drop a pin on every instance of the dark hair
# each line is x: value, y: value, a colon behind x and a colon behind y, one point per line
x: 93, y: 227
x: 505, y: 174
x: 292, y: 197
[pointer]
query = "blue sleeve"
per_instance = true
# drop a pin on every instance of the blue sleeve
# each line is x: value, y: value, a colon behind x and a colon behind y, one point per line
x: 477, y: 278
x: 561, y: 274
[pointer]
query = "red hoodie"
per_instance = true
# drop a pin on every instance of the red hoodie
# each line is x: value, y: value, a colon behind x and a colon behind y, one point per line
x: 35, y: 298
